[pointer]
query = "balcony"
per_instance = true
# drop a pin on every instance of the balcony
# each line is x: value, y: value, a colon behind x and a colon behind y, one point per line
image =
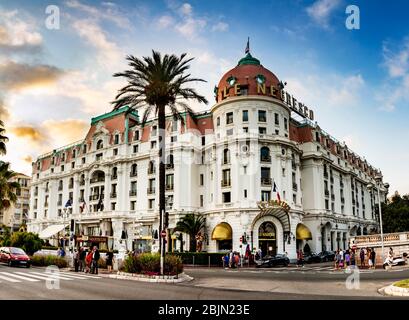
x: 59, y: 203
x: 96, y: 196
x: 266, y: 182
x: 59, y: 188
x: 70, y: 186
x: 331, y: 179
x: 170, y: 166
x: 226, y: 161
x: 82, y: 183
x: 113, y: 195
x: 293, y: 165
x: 151, y: 170
x: 341, y: 184
x: 265, y: 159
x: 35, y: 193
x: 332, y: 197
x: 326, y: 193
x: 295, y: 187
x: 132, y: 193
x: 114, y: 177
x: 151, y: 190
x: 95, y: 180
x: 169, y: 187
x: 46, y: 205
x: 225, y: 183
x: 326, y: 174
x: 135, y: 174
x: 342, y: 200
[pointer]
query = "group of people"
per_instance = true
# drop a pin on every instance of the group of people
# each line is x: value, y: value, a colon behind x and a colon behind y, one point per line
x: 87, y: 260
x: 370, y: 255
x: 345, y: 258
x: 232, y: 259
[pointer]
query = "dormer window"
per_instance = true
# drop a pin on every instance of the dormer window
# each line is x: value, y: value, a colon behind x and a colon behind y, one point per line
x: 100, y: 144
x: 116, y: 139
x: 136, y: 135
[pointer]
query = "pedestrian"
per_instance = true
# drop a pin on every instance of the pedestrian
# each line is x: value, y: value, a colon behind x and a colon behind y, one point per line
x: 373, y: 258
x: 300, y: 258
x: 369, y: 256
x: 347, y: 259
x: 95, y: 259
x: 362, y: 257
x: 353, y: 263
x: 336, y: 259
x: 231, y: 259
x: 341, y: 258
x: 237, y: 259
x: 76, y: 260
x: 226, y: 261
x: 88, y: 261
x: 83, y: 255
x: 109, y: 260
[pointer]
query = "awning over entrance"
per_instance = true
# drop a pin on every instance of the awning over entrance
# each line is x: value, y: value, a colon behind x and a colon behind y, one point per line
x: 303, y: 233
x: 222, y: 231
x: 276, y: 209
x: 51, y: 230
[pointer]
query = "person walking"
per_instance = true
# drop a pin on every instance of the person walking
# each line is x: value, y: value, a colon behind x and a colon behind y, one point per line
x: 237, y: 260
x: 347, y: 259
x: 300, y: 258
x: 226, y: 261
x: 362, y: 257
x: 341, y: 258
x: 88, y: 261
x: 353, y: 263
x: 336, y: 259
x: 231, y: 259
x: 373, y: 258
x: 95, y: 259
x: 369, y: 256
x: 109, y: 260
x: 76, y: 260
x: 82, y: 256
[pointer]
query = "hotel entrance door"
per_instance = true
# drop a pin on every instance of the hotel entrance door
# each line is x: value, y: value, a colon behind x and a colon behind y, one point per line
x: 267, y: 238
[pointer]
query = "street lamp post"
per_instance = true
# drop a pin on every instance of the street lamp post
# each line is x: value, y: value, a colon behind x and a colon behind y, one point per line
x: 378, y: 181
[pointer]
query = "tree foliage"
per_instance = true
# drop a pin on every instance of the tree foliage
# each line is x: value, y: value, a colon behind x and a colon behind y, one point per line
x: 395, y: 214
x: 7, y: 188
x: 27, y: 241
x: 191, y: 224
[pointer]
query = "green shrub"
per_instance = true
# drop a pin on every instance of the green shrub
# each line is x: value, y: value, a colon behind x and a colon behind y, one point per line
x: 49, y: 248
x: 48, y: 260
x: 200, y: 258
x: 28, y: 241
x: 102, y: 264
x: 149, y: 263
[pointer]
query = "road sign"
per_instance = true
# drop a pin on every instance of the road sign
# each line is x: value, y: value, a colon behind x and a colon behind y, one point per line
x: 163, y: 233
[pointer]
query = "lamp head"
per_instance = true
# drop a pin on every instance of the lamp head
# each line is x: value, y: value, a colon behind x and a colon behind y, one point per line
x: 386, y: 185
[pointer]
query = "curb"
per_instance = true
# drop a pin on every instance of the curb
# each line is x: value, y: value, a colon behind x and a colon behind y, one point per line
x: 394, y: 291
x: 156, y: 279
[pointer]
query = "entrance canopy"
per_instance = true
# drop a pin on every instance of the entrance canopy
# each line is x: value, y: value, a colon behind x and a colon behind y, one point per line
x: 278, y: 209
x: 222, y: 231
x: 51, y: 230
x: 303, y: 233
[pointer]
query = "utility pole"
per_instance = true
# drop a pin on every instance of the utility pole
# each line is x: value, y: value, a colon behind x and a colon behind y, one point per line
x: 162, y: 245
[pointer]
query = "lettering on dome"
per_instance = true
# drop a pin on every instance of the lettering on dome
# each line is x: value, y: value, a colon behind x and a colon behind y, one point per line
x: 236, y: 89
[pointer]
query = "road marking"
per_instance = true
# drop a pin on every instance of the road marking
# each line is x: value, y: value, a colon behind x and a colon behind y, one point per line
x: 42, y: 277
x: 52, y: 275
x: 80, y: 276
x: 8, y: 279
x: 19, y: 277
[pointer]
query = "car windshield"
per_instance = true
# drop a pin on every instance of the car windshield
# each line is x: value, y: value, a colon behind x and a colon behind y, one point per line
x: 16, y: 251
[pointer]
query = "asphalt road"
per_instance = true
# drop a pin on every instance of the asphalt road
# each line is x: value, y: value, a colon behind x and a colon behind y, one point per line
x: 30, y: 284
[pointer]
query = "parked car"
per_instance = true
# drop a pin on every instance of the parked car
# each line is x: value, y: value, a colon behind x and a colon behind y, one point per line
x: 327, y: 256
x: 312, y: 257
x: 14, y: 256
x: 273, y: 261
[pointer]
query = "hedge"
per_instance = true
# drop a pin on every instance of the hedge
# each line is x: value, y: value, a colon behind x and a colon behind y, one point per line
x: 149, y: 263
x: 48, y: 260
x: 201, y: 258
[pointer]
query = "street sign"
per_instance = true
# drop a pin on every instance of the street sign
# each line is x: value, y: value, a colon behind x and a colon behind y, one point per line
x: 163, y: 233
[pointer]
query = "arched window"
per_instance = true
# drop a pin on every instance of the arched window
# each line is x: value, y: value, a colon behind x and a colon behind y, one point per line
x: 265, y: 154
x: 98, y: 176
x: 114, y: 172
x: 71, y: 184
x: 60, y: 183
x: 151, y: 168
x: 100, y: 144
x: 134, y: 170
x: 226, y: 156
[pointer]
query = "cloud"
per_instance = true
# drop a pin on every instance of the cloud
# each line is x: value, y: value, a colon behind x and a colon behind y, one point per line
x: 165, y: 22
x: 18, y: 34
x: 321, y: 10
x: 111, y: 12
x: 28, y: 159
x: 397, y: 63
x: 17, y: 76
x: 28, y: 132
x: 186, y: 9
x: 4, y: 113
x: 220, y: 26
x: 63, y: 132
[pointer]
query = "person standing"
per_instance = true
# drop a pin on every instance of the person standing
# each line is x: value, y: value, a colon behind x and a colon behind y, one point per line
x: 231, y: 259
x: 109, y: 260
x: 362, y: 257
x: 95, y: 259
x: 83, y: 255
x: 88, y: 261
x: 369, y: 256
x: 76, y: 260
x: 347, y: 258
x: 336, y: 259
x: 353, y: 263
x: 300, y: 258
x: 373, y: 258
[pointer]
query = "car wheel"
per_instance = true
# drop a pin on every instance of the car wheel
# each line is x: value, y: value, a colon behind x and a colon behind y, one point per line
x: 10, y: 263
x: 28, y: 266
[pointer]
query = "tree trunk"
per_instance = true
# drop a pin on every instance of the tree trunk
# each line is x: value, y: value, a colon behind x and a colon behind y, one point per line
x: 162, y: 155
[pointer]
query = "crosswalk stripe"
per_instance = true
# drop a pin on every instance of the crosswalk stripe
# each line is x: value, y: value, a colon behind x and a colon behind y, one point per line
x: 52, y: 275
x: 79, y: 276
x: 19, y: 277
x: 42, y: 276
x: 9, y: 279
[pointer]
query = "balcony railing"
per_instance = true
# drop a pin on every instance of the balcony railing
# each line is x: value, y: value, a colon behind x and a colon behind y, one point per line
x: 59, y: 203
x: 151, y: 190
x: 70, y: 186
x: 225, y: 183
x: 95, y: 180
x: 132, y: 193
x: 170, y: 166
x: 46, y: 204
x: 265, y: 159
x: 325, y: 174
x: 59, y: 188
x: 96, y: 196
x: 342, y: 200
x: 135, y: 174
x: 151, y: 170
x: 82, y: 183
x: 226, y: 161
x: 332, y: 197
x: 169, y: 187
x: 266, y: 181
x: 114, y: 177
x: 295, y: 186
x: 326, y: 193
x: 113, y: 195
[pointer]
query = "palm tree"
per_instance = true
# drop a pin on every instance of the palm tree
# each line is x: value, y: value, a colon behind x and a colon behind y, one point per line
x: 155, y: 83
x: 191, y: 224
x: 3, y: 139
x: 7, y: 188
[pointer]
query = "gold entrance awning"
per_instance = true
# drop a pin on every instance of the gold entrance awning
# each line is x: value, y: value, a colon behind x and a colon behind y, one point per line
x: 222, y: 231
x: 303, y: 233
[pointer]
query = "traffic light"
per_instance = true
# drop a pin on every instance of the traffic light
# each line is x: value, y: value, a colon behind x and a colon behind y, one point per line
x: 166, y: 220
x: 72, y: 227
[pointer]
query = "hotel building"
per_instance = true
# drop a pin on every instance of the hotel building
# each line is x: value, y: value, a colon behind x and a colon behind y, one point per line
x: 223, y: 164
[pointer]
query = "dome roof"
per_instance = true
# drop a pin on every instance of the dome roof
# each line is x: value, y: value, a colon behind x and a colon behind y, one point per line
x: 249, y: 77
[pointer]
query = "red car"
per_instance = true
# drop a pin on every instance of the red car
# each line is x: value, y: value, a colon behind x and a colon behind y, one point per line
x: 14, y: 256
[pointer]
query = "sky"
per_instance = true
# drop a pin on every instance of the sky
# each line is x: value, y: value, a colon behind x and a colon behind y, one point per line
x: 53, y: 80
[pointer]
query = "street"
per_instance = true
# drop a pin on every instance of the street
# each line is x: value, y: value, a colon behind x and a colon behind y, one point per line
x: 212, y: 283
